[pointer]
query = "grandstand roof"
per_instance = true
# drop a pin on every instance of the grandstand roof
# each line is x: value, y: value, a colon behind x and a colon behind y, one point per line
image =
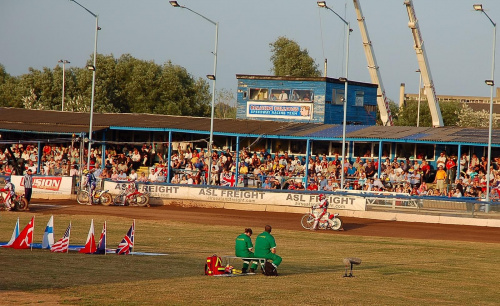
x: 57, y: 122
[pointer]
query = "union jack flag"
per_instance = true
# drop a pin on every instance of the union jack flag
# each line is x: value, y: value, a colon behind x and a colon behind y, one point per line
x: 63, y: 244
x: 127, y: 244
x: 227, y: 180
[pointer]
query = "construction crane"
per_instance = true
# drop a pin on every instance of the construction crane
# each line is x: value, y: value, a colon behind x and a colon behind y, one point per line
x: 383, y: 104
x: 437, y: 119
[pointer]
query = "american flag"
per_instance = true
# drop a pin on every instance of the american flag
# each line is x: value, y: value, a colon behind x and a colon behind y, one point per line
x: 127, y: 244
x: 227, y: 180
x: 63, y: 244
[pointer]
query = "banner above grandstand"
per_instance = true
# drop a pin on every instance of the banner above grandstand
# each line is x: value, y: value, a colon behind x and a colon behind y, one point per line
x: 279, y: 110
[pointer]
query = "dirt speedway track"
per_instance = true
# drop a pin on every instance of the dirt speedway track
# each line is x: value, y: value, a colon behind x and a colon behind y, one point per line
x: 216, y: 216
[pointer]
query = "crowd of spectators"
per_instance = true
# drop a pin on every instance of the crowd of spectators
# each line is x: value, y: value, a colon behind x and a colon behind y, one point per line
x: 281, y: 171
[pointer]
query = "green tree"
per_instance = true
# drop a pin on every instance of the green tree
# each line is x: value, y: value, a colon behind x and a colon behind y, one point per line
x: 467, y: 117
x: 225, y: 105
x: 407, y: 114
x: 289, y: 60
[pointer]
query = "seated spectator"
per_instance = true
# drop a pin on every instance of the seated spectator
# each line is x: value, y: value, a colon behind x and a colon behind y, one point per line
x: 152, y: 176
x: 175, y: 179
x: 122, y: 176
x: 142, y: 178
x: 266, y: 184
x: 133, y: 175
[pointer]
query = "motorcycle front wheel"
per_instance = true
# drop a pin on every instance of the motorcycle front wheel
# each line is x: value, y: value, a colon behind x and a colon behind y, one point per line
x: 336, y: 224
x: 307, y: 221
x: 142, y: 200
x: 82, y: 197
x: 21, y: 203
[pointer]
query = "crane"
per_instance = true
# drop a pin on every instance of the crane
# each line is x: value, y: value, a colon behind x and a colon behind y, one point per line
x: 383, y: 104
x: 437, y: 119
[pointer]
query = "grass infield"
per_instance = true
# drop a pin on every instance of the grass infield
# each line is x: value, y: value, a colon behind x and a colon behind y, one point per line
x: 393, y: 271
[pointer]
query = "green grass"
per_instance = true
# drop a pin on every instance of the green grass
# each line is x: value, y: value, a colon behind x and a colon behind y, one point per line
x: 393, y: 271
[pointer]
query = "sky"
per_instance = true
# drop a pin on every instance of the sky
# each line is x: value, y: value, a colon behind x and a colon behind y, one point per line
x: 457, y: 39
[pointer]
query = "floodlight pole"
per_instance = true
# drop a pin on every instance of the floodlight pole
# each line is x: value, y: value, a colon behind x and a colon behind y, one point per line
x: 419, y: 95
x: 214, y: 80
x: 97, y: 28
x: 346, y: 80
x: 491, y: 83
x: 64, y: 62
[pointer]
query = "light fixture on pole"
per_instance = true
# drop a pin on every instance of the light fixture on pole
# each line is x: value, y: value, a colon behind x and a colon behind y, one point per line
x: 345, y: 80
x: 210, y: 77
x: 64, y: 62
x: 491, y: 83
x: 97, y: 28
x: 419, y: 95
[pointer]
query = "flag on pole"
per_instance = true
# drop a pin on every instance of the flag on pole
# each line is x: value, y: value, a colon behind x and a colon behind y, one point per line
x: 48, y: 235
x: 89, y: 247
x: 101, y: 247
x: 15, y: 234
x: 227, y: 180
x: 127, y: 244
x: 25, y: 238
x: 63, y: 244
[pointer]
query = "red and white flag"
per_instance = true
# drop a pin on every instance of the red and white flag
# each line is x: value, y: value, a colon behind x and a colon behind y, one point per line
x: 25, y: 238
x: 63, y: 244
x: 89, y: 247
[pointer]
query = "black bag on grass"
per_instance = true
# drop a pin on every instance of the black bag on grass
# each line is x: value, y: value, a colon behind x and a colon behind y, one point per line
x: 270, y: 270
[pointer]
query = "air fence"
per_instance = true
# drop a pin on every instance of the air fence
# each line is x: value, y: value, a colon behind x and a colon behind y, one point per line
x: 370, y: 201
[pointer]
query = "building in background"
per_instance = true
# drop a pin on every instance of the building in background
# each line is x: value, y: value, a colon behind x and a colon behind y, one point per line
x: 298, y: 99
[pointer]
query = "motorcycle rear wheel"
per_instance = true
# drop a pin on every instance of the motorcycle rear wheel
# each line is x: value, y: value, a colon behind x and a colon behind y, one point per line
x: 337, y: 224
x: 106, y: 199
x: 118, y: 200
x: 307, y: 221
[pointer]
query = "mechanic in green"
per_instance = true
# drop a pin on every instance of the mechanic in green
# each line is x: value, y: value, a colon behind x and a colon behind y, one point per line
x: 244, y: 248
x: 265, y: 247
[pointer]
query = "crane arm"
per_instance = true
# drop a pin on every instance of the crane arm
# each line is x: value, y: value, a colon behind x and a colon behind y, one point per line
x: 373, y: 69
x: 437, y: 119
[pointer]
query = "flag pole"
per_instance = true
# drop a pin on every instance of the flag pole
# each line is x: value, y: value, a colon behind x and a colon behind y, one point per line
x: 69, y: 236
x: 105, y: 237
x: 32, y: 234
x: 133, y: 248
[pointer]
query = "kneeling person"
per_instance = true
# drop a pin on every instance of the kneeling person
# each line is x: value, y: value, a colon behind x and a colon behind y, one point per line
x: 243, y: 248
x: 265, y: 247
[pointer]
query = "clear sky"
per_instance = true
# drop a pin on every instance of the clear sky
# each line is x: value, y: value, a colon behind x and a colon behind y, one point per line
x: 458, y: 40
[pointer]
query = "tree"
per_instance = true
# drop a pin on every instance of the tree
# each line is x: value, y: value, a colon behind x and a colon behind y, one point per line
x: 225, y: 104
x: 407, y: 114
x: 289, y: 60
x: 126, y: 84
x: 467, y: 117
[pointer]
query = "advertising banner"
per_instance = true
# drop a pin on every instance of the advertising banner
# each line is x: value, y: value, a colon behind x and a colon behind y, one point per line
x: 45, y: 184
x: 283, y: 110
x: 232, y: 195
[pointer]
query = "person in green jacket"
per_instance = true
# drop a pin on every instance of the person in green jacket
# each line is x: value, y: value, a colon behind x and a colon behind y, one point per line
x: 244, y: 248
x: 265, y: 247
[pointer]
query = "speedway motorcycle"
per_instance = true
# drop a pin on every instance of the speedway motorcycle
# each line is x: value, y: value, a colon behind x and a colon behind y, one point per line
x: 328, y: 221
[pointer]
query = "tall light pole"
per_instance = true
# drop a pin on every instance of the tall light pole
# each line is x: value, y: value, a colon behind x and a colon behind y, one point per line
x: 211, y: 77
x: 345, y: 80
x: 419, y: 94
x: 64, y: 62
x: 93, y: 69
x: 491, y: 83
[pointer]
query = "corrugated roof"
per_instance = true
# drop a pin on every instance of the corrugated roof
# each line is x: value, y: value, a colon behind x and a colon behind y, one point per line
x: 70, y: 122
